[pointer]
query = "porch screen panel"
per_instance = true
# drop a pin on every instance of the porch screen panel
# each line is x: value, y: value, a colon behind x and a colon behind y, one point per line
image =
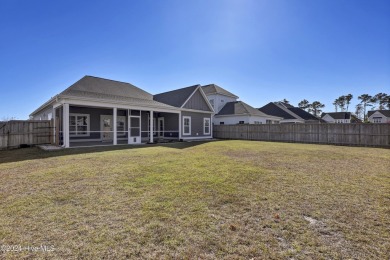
x: 134, y: 122
x: 135, y: 129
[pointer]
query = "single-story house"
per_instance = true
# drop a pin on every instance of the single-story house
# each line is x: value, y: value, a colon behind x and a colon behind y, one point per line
x: 238, y: 112
x: 379, y: 116
x: 228, y: 110
x: 94, y: 110
x: 289, y: 113
x: 337, y: 117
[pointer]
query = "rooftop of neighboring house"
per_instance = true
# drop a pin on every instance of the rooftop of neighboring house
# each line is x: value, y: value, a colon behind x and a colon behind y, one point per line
x: 215, y: 89
x: 287, y: 111
x: 240, y: 108
x: 338, y: 115
x: 386, y: 113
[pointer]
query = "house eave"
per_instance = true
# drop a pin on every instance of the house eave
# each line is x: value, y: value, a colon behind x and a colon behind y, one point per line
x: 116, y: 102
x: 44, y: 105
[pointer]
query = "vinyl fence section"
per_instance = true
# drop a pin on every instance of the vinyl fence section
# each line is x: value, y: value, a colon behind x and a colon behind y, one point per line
x: 17, y: 133
x: 375, y: 135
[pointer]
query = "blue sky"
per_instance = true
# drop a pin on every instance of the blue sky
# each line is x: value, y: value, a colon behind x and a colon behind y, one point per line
x: 260, y: 50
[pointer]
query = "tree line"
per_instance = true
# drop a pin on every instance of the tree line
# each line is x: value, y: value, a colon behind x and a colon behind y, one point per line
x: 379, y: 101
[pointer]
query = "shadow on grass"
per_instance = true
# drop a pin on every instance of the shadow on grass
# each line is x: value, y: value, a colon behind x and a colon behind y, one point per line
x: 32, y: 153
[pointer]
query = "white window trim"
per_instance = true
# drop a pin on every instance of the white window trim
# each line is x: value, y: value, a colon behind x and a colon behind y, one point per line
x: 88, y: 125
x: 187, y: 117
x: 204, y: 125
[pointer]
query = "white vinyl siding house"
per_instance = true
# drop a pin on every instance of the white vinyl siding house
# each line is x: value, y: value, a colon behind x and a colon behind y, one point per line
x: 337, y: 117
x: 379, y: 116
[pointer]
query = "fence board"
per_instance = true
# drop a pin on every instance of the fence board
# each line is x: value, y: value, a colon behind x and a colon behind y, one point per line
x: 30, y: 132
x: 375, y: 135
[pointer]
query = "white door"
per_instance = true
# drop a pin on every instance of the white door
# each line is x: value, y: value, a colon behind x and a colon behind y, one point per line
x: 106, y: 128
x: 160, y: 127
x: 134, y: 130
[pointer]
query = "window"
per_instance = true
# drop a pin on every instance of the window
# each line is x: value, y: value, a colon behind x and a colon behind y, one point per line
x: 377, y: 119
x: 79, y: 125
x: 206, y: 126
x: 186, y: 125
x: 221, y: 123
x: 212, y: 102
x: 257, y: 122
x: 241, y: 122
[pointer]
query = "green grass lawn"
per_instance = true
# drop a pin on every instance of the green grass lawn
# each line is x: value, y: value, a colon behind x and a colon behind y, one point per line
x: 223, y: 199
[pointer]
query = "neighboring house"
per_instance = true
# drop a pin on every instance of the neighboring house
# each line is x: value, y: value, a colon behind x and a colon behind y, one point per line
x: 289, y: 113
x: 95, y: 110
x: 229, y: 111
x: 338, y: 117
x: 238, y: 112
x: 218, y: 96
x: 379, y: 116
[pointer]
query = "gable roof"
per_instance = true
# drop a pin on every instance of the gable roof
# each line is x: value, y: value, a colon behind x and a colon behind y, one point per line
x: 287, y: 111
x: 274, y: 110
x: 338, y: 115
x: 94, y: 88
x: 303, y: 114
x: 386, y: 113
x: 215, y: 89
x: 177, y: 97
x: 239, y: 108
x: 90, y: 84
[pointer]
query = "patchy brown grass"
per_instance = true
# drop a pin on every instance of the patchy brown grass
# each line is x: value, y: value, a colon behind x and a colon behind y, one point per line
x: 225, y: 199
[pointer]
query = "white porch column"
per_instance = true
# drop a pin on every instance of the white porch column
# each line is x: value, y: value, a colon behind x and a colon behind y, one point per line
x: 211, y: 126
x: 114, y: 118
x: 65, y: 131
x: 151, y: 126
x: 180, y: 125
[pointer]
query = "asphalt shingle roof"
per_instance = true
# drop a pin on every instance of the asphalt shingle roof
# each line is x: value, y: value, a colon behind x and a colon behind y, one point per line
x: 106, y: 86
x: 273, y: 110
x: 239, y: 108
x: 302, y: 113
x: 338, y: 115
x: 383, y: 112
x: 176, y: 97
x: 215, y: 89
x: 279, y: 109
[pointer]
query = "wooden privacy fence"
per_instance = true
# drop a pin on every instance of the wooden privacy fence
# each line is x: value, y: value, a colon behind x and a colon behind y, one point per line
x: 17, y: 133
x: 376, y: 135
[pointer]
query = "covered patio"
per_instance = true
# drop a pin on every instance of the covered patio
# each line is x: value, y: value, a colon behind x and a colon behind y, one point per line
x: 102, y: 126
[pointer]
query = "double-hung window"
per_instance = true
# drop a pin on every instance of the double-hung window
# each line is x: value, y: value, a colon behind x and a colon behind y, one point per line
x: 78, y: 124
x: 186, y: 125
x: 206, y: 126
